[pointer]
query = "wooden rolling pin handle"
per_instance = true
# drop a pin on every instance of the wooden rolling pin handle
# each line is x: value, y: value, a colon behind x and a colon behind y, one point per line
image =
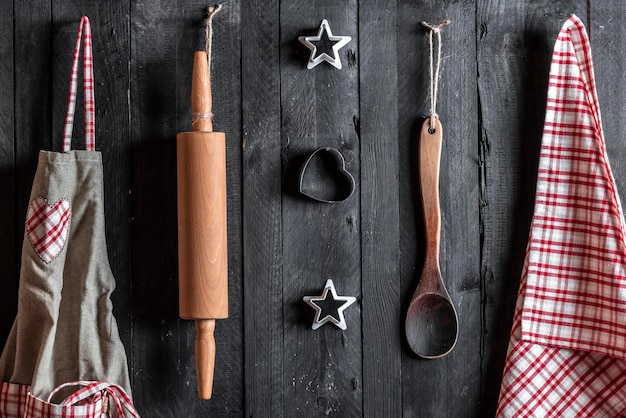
x: 201, y: 97
x: 205, y: 356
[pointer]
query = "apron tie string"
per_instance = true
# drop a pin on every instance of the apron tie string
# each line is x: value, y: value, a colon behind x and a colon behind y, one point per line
x: 99, y: 390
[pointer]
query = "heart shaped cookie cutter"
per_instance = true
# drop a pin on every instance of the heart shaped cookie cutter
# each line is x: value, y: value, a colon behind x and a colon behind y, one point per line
x: 324, y: 177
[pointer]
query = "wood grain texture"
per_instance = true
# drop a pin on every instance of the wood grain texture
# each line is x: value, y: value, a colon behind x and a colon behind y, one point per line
x: 205, y: 357
x: 32, y: 61
x: 380, y: 223
x: 201, y: 97
x: 447, y: 386
x: 514, y: 51
x: 262, y: 213
x: 321, y: 241
x: 608, y: 39
x: 432, y: 325
x: 282, y: 246
x: 9, y: 223
x: 430, y: 144
x: 228, y: 392
x: 162, y: 358
x: 202, y: 230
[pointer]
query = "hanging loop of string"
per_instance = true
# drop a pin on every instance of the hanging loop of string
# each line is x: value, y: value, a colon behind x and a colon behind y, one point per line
x: 211, y: 11
x: 434, y: 75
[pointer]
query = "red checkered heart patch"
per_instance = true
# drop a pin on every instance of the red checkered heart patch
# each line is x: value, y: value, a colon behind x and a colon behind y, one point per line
x: 47, y: 227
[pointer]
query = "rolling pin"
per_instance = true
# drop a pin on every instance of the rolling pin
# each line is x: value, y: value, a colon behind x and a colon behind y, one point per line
x: 202, y: 232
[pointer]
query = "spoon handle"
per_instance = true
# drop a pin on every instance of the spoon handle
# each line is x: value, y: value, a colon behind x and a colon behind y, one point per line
x: 429, y: 159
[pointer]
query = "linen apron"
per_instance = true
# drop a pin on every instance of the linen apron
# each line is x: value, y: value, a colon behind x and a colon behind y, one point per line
x: 567, y: 352
x: 64, y: 357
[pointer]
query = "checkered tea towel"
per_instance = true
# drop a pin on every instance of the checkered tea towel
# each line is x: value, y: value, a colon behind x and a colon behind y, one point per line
x: 567, y: 353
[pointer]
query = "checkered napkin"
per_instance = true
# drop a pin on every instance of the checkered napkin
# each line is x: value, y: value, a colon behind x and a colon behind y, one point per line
x: 567, y: 353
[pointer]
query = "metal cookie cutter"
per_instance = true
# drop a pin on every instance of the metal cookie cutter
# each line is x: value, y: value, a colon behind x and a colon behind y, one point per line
x: 329, y: 307
x: 324, y: 177
x: 338, y: 43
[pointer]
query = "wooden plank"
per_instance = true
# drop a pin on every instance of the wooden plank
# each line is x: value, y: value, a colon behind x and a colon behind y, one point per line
x: 164, y: 382
x: 449, y: 386
x: 262, y: 219
x: 608, y: 39
x: 514, y: 50
x: 322, y: 368
x: 229, y: 387
x: 8, y: 225
x: 163, y: 348
x: 380, y: 222
x: 292, y: 245
x: 32, y: 63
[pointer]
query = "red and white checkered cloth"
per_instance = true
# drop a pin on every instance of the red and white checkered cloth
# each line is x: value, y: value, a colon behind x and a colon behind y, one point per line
x: 567, y: 353
x: 13, y: 400
x: 88, y: 92
x: 92, y: 400
x: 47, y: 227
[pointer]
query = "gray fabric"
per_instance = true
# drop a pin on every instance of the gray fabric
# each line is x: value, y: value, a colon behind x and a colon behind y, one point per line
x: 65, y: 329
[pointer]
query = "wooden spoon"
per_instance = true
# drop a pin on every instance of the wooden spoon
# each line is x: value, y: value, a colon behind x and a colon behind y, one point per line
x: 432, y: 325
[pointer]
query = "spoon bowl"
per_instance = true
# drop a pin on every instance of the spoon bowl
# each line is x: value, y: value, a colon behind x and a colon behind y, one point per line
x: 431, y: 325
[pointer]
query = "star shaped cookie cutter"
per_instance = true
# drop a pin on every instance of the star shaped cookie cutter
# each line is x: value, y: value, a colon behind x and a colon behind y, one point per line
x: 329, y: 307
x: 339, y: 42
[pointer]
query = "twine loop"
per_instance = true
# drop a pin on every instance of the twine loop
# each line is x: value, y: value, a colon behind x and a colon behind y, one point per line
x: 211, y: 11
x: 434, y: 75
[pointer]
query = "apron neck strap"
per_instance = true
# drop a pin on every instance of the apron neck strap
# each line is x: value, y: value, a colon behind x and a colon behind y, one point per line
x: 88, y: 91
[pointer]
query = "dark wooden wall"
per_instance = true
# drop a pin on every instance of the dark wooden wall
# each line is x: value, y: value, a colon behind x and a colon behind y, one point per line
x: 282, y: 247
